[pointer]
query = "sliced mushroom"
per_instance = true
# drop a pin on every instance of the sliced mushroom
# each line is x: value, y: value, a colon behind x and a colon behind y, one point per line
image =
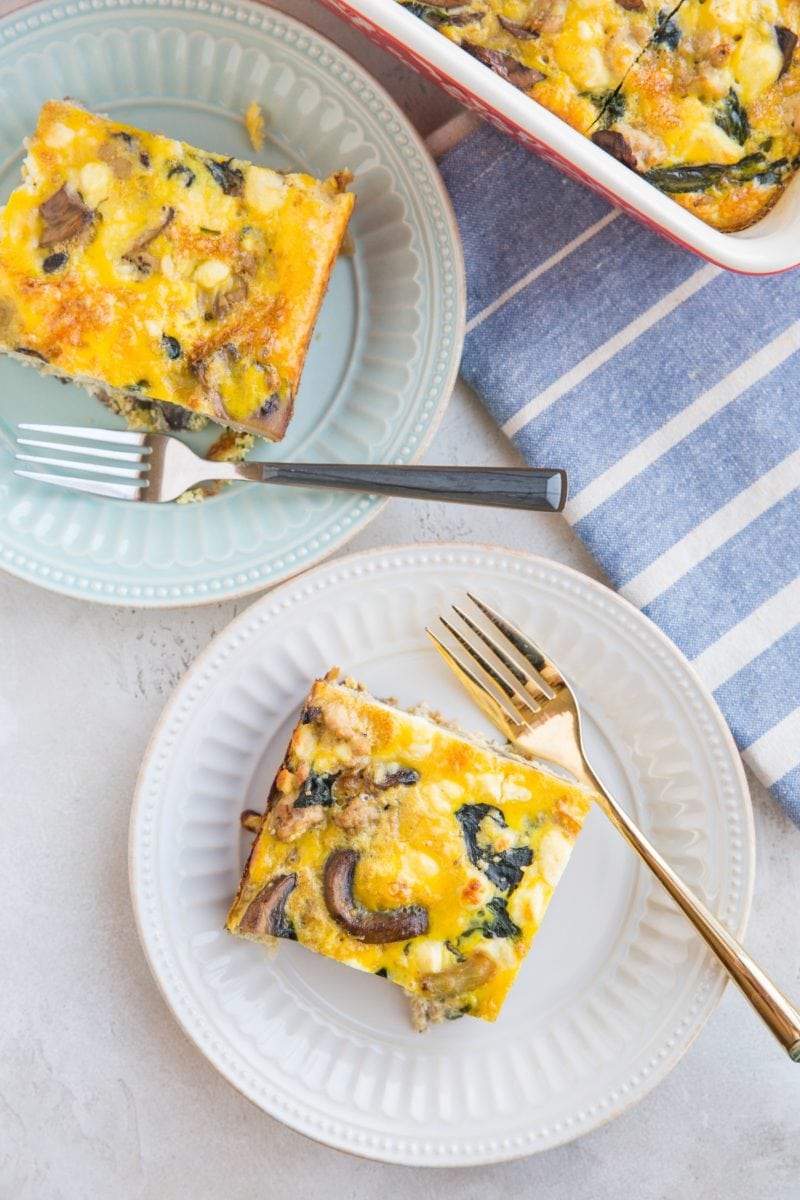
x: 210, y: 371
x: 524, y: 32
x: 787, y: 40
x: 64, y: 216
x: 615, y: 145
x: 505, y: 66
x: 137, y: 255
x: 266, y: 914
x: 250, y: 820
x: 376, y: 928
x: 459, y: 979
x: 177, y: 416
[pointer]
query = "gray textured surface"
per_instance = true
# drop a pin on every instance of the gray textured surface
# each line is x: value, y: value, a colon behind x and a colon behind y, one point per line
x: 100, y: 1093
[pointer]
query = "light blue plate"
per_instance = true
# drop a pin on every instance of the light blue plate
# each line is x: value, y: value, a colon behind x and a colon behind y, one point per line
x: 387, y: 345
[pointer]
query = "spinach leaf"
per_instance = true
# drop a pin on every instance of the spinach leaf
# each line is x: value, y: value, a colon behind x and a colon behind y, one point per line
x: 667, y: 33
x: 731, y: 117
x: 497, y: 922
x: 699, y: 178
x: 774, y: 173
x: 229, y: 179
x: 686, y: 179
x: 504, y: 868
x: 611, y: 106
x: 435, y: 14
x: 316, y: 790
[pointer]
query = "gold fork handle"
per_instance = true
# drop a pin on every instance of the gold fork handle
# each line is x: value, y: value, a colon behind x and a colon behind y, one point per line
x: 774, y: 1008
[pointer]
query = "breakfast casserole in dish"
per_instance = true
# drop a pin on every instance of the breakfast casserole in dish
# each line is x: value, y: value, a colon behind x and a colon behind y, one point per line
x: 141, y: 267
x: 701, y: 98
x: 400, y: 846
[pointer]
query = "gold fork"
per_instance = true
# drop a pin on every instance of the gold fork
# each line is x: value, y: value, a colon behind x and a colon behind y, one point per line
x: 525, y: 695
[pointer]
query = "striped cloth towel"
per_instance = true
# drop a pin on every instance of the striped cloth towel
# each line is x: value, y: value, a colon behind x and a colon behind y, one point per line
x: 670, y: 390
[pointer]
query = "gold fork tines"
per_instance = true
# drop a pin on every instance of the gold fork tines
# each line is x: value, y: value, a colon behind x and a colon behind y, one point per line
x: 527, y: 697
x: 543, y: 719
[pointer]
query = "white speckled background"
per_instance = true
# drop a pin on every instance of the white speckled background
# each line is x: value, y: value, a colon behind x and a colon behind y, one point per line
x: 101, y: 1094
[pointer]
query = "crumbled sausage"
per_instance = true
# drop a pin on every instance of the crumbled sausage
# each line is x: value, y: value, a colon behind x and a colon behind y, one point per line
x: 359, y: 813
x: 425, y: 1012
x: 711, y: 46
x: 338, y: 721
x: 288, y: 823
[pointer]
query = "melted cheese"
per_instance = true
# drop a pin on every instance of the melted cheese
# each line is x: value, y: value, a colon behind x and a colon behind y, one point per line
x: 413, y: 849
x: 192, y: 278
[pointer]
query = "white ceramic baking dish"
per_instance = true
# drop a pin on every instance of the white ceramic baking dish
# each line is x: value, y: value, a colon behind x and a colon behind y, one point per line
x: 771, y: 245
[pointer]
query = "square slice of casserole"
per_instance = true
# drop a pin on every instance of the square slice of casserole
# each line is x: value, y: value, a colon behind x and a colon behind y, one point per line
x: 137, y: 265
x: 399, y: 846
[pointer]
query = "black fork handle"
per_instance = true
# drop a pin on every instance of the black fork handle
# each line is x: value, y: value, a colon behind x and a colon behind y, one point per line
x: 538, y: 489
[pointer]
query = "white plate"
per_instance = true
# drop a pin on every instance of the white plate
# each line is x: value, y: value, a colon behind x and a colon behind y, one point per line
x: 616, y: 986
x: 386, y: 348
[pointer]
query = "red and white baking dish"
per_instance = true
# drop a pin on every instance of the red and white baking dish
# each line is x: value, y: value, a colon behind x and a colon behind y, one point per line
x: 771, y: 245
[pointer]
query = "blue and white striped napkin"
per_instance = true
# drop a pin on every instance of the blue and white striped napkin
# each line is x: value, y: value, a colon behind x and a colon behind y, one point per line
x: 670, y: 390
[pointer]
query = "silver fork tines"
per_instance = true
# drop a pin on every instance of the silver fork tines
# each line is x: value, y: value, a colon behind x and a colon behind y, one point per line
x: 127, y: 437
x: 94, y: 487
x: 95, y: 468
x: 121, y: 455
x: 107, y: 467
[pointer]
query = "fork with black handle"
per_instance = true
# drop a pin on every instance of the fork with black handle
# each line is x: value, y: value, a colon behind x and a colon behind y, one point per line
x: 156, y: 467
